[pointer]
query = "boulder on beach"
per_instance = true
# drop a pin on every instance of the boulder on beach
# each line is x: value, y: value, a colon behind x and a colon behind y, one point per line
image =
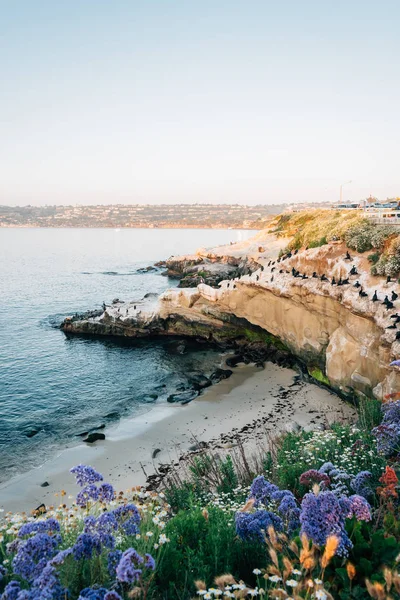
x: 233, y: 361
x: 94, y: 437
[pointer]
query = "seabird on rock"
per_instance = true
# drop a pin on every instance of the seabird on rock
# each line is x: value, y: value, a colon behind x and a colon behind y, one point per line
x: 357, y: 284
x: 296, y: 251
x: 388, y: 280
x: 394, y: 326
x: 293, y: 272
x: 269, y: 264
x: 304, y: 276
x: 273, y: 269
x: 340, y: 282
x: 395, y: 316
x: 280, y: 270
x: 227, y: 285
x: 324, y: 277
x: 398, y: 335
x: 389, y: 305
x: 289, y: 255
x: 315, y: 275
x: 394, y: 296
x: 348, y: 257
x: 345, y: 281
x: 272, y: 278
x: 362, y: 294
x: 353, y: 270
x: 273, y: 262
x: 375, y: 297
x: 333, y: 282
x: 262, y: 268
x: 386, y: 300
x: 279, y: 260
x: 257, y: 277
x: 234, y: 286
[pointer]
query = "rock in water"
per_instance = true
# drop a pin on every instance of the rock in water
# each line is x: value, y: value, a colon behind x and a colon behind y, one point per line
x: 93, y: 437
x: 199, y: 381
x: 232, y: 361
x: 155, y: 452
x: 220, y: 374
x: 183, y: 397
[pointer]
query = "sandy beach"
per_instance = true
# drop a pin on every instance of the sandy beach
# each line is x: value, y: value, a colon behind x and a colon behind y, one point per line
x: 266, y: 398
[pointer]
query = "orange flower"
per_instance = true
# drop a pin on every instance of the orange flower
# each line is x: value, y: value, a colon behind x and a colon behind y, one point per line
x: 389, y: 477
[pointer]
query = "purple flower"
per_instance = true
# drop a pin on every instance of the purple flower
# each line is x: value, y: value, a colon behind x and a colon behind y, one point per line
x: 261, y: 490
x: 255, y: 525
x: 102, y: 528
x: 47, y: 586
x: 387, y: 438
x: 85, y: 474
x: 11, y: 591
x: 90, y: 492
x: 86, y: 545
x: 360, y: 508
x: 13, y: 546
x: 33, y: 554
x: 113, y: 559
x: 128, y: 518
x: 361, y: 484
x: 49, y: 526
x: 308, y: 478
x: 150, y: 562
x: 93, y: 594
x: 60, y: 557
x: 3, y: 572
x: 112, y: 596
x: 127, y: 569
x: 106, y: 492
x: 325, y: 515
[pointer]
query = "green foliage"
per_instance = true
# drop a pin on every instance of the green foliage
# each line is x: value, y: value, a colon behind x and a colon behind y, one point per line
x: 373, y: 258
x: 202, y: 546
x: 317, y: 243
x: 318, y: 375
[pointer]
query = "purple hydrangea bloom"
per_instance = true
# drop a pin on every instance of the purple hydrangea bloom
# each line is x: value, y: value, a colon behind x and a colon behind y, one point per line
x: 33, y: 554
x: 255, y: 525
x: 325, y: 515
x: 85, y: 545
x: 127, y: 569
x: 128, y: 518
x: 49, y: 526
x: 11, y: 591
x: 85, y: 475
x: 360, y: 508
x: 113, y: 559
x: 361, y: 484
x: 106, y: 492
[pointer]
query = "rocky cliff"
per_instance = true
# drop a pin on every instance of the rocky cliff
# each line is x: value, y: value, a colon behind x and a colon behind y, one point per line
x: 308, y: 303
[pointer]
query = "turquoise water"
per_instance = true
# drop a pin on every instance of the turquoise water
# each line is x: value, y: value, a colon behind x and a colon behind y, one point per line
x: 59, y: 387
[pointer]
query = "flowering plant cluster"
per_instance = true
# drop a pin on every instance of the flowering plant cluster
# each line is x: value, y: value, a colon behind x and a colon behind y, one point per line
x: 387, y: 434
x: 42, y: 551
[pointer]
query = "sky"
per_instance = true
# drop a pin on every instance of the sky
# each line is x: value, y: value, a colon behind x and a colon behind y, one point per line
x: 162, y: 101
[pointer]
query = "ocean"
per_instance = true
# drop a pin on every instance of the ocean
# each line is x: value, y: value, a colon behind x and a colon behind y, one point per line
x: 52, y: 388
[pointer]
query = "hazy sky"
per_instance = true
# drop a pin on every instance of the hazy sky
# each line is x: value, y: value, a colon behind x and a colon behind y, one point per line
x: 209, y: 100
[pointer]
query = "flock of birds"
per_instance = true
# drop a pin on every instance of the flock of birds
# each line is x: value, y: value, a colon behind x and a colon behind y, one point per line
x: 388, y: 303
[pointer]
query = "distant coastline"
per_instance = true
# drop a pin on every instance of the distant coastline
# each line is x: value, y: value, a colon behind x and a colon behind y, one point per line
x: 98, y: 226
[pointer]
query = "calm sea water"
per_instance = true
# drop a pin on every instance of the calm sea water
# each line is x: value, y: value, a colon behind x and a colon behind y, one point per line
x: 58, y: 386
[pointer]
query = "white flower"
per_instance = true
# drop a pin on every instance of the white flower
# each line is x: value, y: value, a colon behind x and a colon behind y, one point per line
x: 318, y: 581
x: 291, y: 583
x: 256, y: 571
x: 310, y: 583
x: 296, y: 572
x: 156, y: 546
x: 320, y: 594
x: 274, y: 578
x: 138, y: 536
x: 253, y: 592
x: 149, y: 533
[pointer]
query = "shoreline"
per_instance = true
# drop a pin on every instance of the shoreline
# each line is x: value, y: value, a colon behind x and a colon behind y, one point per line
x: 264, y: 400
